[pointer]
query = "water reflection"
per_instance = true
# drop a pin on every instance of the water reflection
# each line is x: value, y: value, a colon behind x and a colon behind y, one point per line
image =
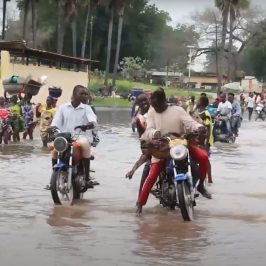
x: 167, y: 239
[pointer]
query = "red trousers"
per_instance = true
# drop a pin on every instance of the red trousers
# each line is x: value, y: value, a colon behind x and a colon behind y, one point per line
x: 197, y: 154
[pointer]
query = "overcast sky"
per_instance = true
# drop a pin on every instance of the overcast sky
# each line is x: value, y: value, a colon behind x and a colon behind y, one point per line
x: 180, y: 10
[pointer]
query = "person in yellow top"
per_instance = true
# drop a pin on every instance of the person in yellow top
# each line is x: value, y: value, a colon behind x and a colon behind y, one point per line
x: 17, y: 122
x: 207, y: 122
x: 191, y: 105
x: 46, y: 113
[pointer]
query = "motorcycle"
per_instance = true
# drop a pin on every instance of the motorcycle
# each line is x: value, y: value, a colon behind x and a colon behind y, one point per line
x: 176, y: 186
x: 260, y: 112
x: 220, y: 132
x: 68, y: 178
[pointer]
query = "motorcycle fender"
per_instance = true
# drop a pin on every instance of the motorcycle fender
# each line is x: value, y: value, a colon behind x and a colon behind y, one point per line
x: 60, y: 166
x: 181, y: 177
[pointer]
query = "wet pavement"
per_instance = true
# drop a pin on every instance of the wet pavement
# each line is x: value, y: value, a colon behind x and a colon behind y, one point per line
x: 103, y: 230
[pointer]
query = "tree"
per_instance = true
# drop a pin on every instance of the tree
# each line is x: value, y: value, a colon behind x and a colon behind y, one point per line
x: 120, y: 5
x: 133, y: 68
x: 25, y: 4
x: 224, y: 7
x: 109, y: 43
x: 234, y: 9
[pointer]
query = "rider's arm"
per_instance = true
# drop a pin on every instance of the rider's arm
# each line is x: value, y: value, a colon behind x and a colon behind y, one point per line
x: 91, y: 117
x: 150, y: 131
x: 142, y: 159
x: 237, y: 110
x: 58, y: 119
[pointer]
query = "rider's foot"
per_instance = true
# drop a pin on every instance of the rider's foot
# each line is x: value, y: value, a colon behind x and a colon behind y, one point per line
x: 95, y: 182
x: 203, y: 191
x: 139, y: 209
x: 210, y: 180
x: 89, y: 184
x: 47, y: 187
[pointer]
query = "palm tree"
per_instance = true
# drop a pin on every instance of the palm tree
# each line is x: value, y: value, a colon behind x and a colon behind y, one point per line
x: 224, y: 6
x: 111, y: 8
x: 34, y: 22
x: 26, y: 5
x: 66, y: 13
x: 234, y: 10
x: 120, y: 6
x: 230, y: 10
x: 25, y: 15
x: 89, y: 5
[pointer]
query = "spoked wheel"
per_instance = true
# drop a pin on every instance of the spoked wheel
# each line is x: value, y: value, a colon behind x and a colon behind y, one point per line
x: 185, y: 202
x: 60, y: 194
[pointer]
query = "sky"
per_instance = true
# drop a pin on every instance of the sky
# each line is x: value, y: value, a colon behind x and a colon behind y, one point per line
x: 181, y: 10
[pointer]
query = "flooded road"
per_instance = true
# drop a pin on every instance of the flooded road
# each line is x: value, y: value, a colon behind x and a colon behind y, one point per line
x: 103, y: 230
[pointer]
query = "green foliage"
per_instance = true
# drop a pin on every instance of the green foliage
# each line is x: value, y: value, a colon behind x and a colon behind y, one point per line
x: 146, y: 33
x: 133, y: 68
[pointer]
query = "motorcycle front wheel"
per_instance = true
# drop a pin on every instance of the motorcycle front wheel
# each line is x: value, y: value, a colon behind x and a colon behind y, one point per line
x: 185, y: 203
x: 60, y: 194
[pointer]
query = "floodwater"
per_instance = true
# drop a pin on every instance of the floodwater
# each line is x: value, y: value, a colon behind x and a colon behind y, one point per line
x: 102, y: 229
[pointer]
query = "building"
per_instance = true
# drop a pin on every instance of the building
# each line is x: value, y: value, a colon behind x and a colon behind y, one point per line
x: 158, y: 77
x: 251, y: 84
x: 202, y: 80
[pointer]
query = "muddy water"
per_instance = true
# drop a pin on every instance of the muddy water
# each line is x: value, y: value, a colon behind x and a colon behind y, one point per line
x: 102, y: 229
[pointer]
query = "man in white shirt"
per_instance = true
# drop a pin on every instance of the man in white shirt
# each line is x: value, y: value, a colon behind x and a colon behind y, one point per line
x: 224, y: 110
x: 74, y: 114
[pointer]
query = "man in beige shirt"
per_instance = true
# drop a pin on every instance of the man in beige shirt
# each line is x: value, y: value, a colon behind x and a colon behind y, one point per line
x: 163, y: 119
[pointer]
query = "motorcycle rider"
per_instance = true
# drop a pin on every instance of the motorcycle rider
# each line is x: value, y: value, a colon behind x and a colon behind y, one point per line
x: 235, y: 113
x: 163, y: 119
x: 74, y: 114
x: 224, y: 112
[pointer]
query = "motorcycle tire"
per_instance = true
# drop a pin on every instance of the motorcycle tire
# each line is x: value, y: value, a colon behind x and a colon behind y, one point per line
x: 56, y: 175
x: 185, y: 204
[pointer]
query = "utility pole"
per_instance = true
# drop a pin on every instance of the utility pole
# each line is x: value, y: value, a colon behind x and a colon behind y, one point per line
x: 189, y: 63
x: 4, y: 19
x: 91, y: 29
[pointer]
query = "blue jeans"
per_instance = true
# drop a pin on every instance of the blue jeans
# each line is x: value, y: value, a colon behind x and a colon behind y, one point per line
x: 228, y: 126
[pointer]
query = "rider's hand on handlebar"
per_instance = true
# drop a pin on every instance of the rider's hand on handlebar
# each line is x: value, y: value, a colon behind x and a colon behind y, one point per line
x: 157, y: 135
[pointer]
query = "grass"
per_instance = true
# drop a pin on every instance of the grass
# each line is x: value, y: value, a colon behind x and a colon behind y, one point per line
x: 125, y: 86
x: 111, y: 102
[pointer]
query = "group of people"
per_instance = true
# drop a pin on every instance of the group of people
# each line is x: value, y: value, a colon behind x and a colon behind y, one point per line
x: 254, y: 102
x: 18, y: 115
x: 225, y: 107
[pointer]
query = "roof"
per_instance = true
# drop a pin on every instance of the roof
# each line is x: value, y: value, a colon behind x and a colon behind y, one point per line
x: 204, y: 74
x: 19, y: 48
x: 164, y: 74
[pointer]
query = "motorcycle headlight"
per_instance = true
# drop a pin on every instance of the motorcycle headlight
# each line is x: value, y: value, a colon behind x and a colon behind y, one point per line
x: 60, y: 144
x: 179, y: 152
